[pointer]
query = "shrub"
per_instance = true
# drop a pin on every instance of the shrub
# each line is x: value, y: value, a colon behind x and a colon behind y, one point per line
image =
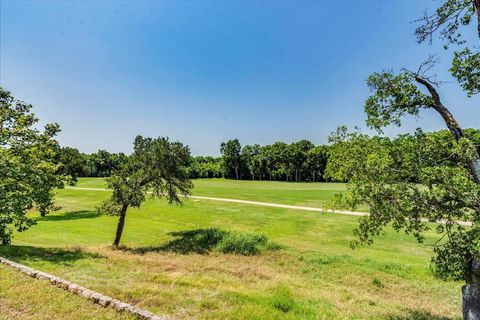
x: 243, y: 243
x: 246, y: 244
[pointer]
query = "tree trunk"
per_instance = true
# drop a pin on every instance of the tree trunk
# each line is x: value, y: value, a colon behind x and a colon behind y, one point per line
x: 120, y: 225
x: 452, y: 125
x: 236, y: 172
x: 471, y: 301
x: 471, y: 293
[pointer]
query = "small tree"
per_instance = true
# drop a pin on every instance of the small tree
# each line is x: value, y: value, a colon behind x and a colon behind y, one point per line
x: 28, y: 169
x: 157, y: 166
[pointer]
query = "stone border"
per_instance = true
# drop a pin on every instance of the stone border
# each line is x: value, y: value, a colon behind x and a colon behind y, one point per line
x: 95, y: 297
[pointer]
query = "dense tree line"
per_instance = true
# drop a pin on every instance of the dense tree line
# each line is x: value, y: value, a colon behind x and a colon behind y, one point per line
x: 74, y: 164
x: 298, y: 161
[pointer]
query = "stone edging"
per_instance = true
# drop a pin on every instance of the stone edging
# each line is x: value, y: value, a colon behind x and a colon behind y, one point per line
x: 98, y: 298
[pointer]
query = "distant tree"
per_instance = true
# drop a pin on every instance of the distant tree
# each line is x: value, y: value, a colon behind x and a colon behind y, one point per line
x: 72, y: 164
x: 231, y: 156
x: 253, y: 160
x: 28, y: 170
x: 281, y: 162
x: 205, y: 167
x: 298, y: 154
x: 156, y: 165
x: 316, y: 162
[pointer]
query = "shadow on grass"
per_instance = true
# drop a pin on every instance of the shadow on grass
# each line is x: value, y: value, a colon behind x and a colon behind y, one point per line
x: 200, y: 241
x: 72, y: 215
x: 419, y: 315
x: 25, y: 254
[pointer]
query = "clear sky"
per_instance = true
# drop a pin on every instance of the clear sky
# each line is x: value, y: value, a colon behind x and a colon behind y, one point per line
x: 204, y: 72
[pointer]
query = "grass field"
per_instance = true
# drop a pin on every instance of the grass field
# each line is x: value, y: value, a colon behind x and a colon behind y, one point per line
x: 22, y: 297
x: 315, y: 276
x: 304, y: 194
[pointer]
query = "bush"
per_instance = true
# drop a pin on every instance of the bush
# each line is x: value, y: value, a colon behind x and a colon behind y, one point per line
x: 203, y: 241
x: 246, y: 244
x: 242, y: 243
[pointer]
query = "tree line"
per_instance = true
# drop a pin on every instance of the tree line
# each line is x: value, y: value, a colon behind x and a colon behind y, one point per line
x: 297, y: 161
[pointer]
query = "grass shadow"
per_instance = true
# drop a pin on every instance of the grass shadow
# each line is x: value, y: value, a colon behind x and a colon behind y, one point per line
x: 25, y: 254
x: 200, y: 241
x: 72, y: 215
x: 419, y: 315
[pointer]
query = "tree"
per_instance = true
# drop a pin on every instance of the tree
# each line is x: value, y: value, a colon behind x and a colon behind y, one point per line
x: 298, y: 155
x: 158, y: 166
x: 447, y: 191
x: 252, y: 158
x: 231, y: 156
x: 316, y: 162
x: 28, y: 170
x: 72, y: 163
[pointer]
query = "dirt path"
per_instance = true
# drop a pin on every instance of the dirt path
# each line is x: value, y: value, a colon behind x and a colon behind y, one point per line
x: 274, y: 205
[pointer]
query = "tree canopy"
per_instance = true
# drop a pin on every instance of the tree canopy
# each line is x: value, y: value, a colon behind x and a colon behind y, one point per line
x: 28, y: 169
x: 158, y: 166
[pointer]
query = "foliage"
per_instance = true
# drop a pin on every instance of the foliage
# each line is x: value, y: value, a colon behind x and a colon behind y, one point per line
x: 448, y: 20
x: 466, y: 69
x: 231, y: 158
x: 205, y: 167
x: 407, y: 182
x: 72, y: 164
x: 395, y: 95
x: 156, y: 165
x: 28, y: 172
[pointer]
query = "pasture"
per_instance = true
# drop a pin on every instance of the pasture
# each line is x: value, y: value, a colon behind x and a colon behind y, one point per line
x: 316, y: 275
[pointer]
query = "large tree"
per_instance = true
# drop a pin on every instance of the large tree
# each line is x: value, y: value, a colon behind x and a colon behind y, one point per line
x: 158, y: 166
x: 447, y: 192
x: 28, y: 169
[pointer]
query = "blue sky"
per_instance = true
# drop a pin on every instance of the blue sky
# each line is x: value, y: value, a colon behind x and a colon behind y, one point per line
x: 205, y: 72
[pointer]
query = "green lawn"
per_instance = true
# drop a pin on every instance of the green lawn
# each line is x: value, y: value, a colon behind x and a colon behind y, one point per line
x: 316, y: 275
x: 301, y: 193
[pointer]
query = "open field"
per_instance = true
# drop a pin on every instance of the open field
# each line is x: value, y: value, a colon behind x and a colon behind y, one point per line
x: 301, y: 193
x: 315, y: 276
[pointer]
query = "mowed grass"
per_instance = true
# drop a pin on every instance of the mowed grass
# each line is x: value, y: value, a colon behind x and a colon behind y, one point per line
x: 22, y: 297
x: 301, y: 193
x: 315, y: 276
